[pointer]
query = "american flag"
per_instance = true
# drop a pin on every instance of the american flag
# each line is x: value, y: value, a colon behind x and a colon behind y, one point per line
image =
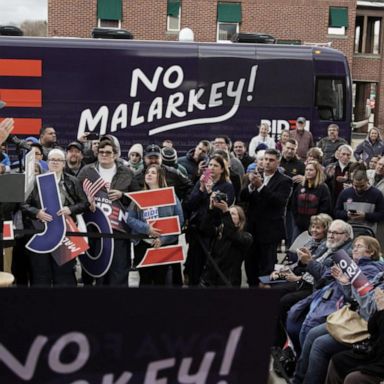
x: 91, y: 188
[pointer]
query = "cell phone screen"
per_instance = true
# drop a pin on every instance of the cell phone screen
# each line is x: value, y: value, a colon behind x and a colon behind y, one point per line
x: 207, y: 174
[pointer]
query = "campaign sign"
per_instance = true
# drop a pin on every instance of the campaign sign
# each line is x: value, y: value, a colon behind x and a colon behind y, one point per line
x: 72, y: 246
x: 98, y: 258
x: 54, y: 232
x: 155, y: 197
x: 170, y: 254
x: 167, y: 225
x: 136, y: 336
x: 350, y: 269
x: 8, y: 230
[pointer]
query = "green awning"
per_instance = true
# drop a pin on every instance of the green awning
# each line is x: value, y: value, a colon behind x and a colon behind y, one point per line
x: 109, y: 9
x: 229, y: 12
x: 173, y: 8
x: 338, y: 17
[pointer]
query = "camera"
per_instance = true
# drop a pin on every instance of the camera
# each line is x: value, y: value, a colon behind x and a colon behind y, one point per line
x: 220, y: 196
x: 93, y: 136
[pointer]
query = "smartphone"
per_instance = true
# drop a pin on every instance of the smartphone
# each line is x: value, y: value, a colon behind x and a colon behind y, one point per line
x: 93, y: 136
x: 207, y: 175
x: 327, y: 294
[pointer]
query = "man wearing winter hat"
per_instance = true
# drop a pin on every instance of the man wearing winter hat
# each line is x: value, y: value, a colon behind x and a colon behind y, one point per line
x: 169, y: 156
x: 173, y: 176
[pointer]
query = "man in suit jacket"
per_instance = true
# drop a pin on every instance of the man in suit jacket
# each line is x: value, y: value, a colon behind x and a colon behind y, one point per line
x: 267, y: 195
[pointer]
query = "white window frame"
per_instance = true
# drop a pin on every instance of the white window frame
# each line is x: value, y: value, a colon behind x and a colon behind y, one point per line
x: 218, y: 31
x: 100, y: 26
x: 340, y: 31
x: 178, y: 22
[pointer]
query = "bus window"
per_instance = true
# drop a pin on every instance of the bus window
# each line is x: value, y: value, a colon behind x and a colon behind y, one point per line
x: 330, y: 99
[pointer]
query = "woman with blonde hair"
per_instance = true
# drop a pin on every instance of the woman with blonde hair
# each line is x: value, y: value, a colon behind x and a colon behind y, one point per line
x: 262, y: 138
x: 311, y: 197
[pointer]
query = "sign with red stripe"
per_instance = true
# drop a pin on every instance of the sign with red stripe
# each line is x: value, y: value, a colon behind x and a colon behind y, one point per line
x: 161, y: 197
x: 167, y: 225
x: 8, y: 230
x: 170, y: 254
x: 71, y: 246
x: 20, y: 67
x: 21, y: 97
x: 26, y: 126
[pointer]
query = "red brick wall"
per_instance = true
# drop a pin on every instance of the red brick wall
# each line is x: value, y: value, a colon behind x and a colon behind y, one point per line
x: 71, y: 18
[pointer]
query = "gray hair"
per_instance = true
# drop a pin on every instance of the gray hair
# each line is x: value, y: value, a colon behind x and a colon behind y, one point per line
x: 347, y: 228
x: 56, y: 152
x: 345, y: 147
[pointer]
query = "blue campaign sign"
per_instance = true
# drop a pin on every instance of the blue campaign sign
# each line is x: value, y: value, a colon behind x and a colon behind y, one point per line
x: 98, y: 258
x: 54, y: 231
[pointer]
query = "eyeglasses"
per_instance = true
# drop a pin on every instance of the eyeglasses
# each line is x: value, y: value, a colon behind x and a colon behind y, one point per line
x: 38, y: 154
x: 359, y: 246
x: 56, y: 161
x: 105, y: 153
x: 335, y: 233
x: 134, y: 155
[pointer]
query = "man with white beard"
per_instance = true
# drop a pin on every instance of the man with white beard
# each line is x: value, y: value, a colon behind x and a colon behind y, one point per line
x: 339, y: 236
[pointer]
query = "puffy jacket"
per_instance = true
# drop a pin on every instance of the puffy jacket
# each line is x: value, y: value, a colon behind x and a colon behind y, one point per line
x: 366, y: 150
x: 320, y: 308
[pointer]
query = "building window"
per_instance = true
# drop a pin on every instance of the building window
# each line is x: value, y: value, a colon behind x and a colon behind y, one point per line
x: 102, y: 23
x: 109, y: 13
x: 368, y: 34
x: 173, y: 15
x: 228, y: 20
x: 338, y: 20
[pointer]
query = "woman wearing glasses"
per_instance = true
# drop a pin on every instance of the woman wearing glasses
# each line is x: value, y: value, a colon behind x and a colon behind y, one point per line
x: 44, y: 269
x: 319, y: 346
x: 114, y: 179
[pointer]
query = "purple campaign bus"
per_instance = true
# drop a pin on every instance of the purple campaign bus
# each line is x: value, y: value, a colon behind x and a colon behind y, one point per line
x: 148, y: 91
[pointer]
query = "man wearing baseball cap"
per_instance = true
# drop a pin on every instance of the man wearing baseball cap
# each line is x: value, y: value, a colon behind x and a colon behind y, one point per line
x: 303, y: 137
x: 173, y: 176
x: 74, y: 158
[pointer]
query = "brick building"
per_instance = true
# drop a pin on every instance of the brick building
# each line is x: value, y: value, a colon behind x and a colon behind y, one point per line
x: 354, y: 27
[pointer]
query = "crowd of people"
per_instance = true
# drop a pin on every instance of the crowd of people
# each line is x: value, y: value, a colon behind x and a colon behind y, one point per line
x: 236, y: 207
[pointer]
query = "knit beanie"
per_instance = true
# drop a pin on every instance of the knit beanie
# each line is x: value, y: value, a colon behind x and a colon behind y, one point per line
x: 169, y: 156
x: 136, y: 148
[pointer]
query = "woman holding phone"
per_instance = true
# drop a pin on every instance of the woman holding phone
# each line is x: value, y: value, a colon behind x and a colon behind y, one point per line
x: 214, y: 179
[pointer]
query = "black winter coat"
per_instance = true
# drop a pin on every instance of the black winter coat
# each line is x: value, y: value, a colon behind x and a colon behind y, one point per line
x: 76, y: 201
x: 228, y: 248
x: 267, y: 208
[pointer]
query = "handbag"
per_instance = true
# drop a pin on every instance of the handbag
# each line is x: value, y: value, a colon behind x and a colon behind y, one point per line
x: 347, y: 326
